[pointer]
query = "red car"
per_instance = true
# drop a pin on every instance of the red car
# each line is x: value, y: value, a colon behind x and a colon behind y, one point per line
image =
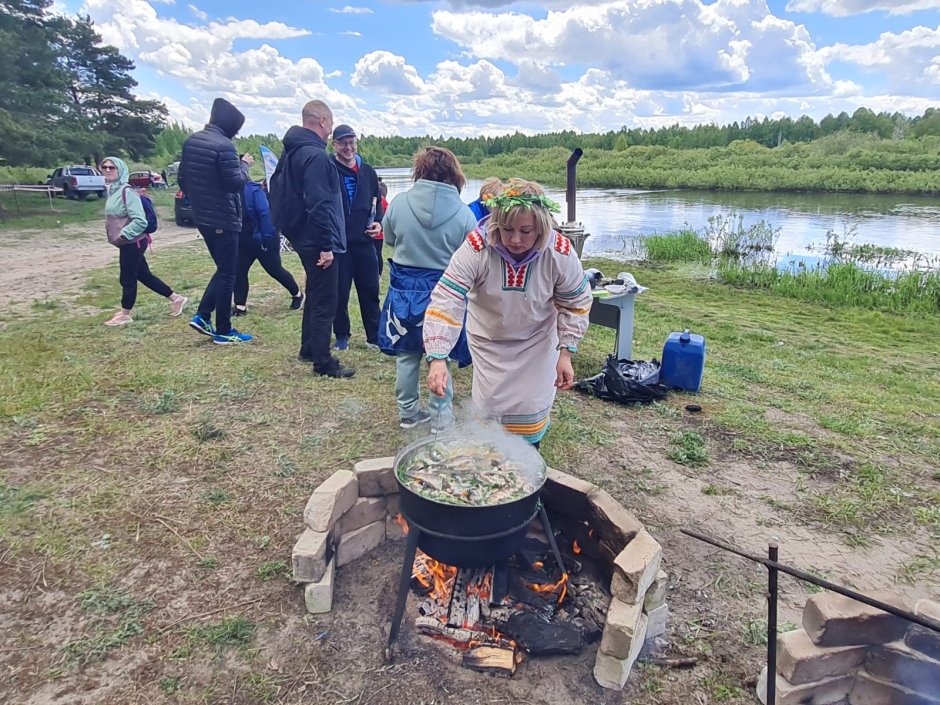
x: 146, y: 179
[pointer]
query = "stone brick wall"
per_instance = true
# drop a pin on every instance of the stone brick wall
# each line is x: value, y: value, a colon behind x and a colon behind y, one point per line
x: 848, y: 653
x: 354, y: 511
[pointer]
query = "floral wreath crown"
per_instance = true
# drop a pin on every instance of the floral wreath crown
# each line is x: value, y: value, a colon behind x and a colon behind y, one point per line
x: 510, y: 199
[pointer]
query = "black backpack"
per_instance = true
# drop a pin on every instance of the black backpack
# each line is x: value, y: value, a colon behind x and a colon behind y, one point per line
x: 288, y: 210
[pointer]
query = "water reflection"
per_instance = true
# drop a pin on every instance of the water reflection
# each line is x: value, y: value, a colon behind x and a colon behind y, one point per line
x: 614, y: 217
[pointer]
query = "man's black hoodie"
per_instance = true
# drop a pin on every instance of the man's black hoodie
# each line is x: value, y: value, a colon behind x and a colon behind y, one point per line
x: 306, y: 203
x: 210, y: 173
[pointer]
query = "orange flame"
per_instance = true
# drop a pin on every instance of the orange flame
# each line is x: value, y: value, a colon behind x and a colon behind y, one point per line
x: 538, y: 565
x: 575, y: 547
x: 400, y: 520
x: 561, y: 585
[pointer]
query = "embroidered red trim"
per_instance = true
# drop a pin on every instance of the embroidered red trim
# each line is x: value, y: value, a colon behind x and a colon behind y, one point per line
x: 475, y: 240
x: 562, y: 244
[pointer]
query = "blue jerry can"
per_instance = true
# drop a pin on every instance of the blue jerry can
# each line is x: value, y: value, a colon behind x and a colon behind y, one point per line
x: 683, y: 361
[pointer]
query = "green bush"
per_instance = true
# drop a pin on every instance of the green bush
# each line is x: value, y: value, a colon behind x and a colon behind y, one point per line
x: 683, y: 246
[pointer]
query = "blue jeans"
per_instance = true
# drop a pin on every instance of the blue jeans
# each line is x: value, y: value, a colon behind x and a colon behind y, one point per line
x: 223, y: 246
x: 408, y: 367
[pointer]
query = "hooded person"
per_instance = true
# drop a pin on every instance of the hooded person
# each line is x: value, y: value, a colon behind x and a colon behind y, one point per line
x: 307, y: 207
x: 424, y: 225
x: 212, y: 177
x: 126, y: 224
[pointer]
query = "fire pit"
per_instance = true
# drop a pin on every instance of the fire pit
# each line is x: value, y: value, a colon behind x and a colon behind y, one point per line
x: 525, y: 596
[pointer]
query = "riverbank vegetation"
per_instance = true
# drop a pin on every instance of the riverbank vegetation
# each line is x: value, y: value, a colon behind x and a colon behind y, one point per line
x: 844, y: 274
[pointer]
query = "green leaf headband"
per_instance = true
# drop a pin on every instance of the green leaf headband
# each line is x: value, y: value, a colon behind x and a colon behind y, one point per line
x: 510, y: 199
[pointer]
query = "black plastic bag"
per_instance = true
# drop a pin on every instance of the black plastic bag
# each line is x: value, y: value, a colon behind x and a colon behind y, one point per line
x: 626, y: 381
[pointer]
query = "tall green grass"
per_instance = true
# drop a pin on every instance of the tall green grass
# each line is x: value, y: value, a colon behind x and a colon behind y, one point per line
x: 683, y: 246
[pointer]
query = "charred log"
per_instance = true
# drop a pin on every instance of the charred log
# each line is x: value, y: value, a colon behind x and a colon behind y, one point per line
x: 540, y: 638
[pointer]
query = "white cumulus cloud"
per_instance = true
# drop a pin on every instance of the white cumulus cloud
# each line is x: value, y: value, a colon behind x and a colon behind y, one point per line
x: 387, y: 73
x: 666, y: 44
x: 350, y: 10
x: 908, y: 60
x: 846, y: 8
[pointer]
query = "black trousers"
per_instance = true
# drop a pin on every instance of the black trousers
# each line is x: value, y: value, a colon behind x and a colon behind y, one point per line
x: 359, y: 265
x: 379, y: 247
x: 223, y: 246
x: 134, y: 269
x: 248, y: 252
x: 319, y: 308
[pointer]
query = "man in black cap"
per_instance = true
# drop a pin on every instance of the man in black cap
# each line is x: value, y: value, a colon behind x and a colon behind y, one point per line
x: 307, y: 207
x: 213, y: 178
x: 362, y: 207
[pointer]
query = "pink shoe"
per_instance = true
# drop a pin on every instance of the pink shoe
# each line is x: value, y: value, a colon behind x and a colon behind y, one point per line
x: 176, y: 307
x: 119, y: 319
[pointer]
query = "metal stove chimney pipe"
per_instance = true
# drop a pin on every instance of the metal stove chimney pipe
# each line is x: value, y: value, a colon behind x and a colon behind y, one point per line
x: 572, y: 186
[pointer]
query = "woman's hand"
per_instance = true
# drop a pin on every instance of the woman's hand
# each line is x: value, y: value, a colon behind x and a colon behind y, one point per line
x: 565, y: 372
x: 437, y: 377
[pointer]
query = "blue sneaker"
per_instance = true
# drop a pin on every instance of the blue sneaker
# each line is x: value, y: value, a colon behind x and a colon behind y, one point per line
x: 201, y: 325
x: 341, y: 344
x: 233, y: 336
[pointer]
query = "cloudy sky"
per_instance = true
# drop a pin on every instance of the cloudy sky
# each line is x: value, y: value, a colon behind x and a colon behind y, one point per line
x: 465, y: 67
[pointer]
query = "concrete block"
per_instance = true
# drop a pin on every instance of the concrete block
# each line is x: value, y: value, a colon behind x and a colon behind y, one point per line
x: 566, y: 494
x: 393, y: 504
x: 801, y: 661
x: 611, y: 672
x: 622, y: 628
x: 869, y: 690
x: 376, y: 477
x: 318, y: 596
x: 898, y: 663
x: 920, y: 638
x: 635, y: 568
x: 366, y: 510
x: 331, y: 500
x: 607, y: 517
x: 311, y: 555
x: 393, y: 530
x: 825, y: 692
x: 656, y: 594
x: 833, y: 620
x: 359, y: 542
x: 658, y: 621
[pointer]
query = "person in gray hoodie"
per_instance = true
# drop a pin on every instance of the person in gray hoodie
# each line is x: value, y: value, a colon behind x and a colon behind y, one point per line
x: 424, y: 225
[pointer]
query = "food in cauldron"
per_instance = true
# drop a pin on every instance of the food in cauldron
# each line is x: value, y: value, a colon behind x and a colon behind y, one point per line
x: 465, y: 474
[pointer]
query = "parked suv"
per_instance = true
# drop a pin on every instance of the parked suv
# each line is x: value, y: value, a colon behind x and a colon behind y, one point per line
x: 183, y: 209
x: 146, y: 179
x: 78, y: 181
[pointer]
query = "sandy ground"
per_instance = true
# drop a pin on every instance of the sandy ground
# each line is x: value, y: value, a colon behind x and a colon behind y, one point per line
x: 39, y: 267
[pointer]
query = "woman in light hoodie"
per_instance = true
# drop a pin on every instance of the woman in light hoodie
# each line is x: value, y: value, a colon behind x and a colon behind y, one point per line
x: 126, y: 220
x: 424, y: 225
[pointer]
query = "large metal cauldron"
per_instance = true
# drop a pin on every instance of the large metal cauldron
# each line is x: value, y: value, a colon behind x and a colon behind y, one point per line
x: 469, y: 537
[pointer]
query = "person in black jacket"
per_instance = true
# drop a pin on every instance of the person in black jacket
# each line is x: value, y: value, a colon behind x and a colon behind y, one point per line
x: 362, y: 208
x: 213, y: 178
x: 307, y: 207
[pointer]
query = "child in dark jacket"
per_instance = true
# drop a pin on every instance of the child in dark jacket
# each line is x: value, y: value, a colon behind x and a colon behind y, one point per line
x: 260, y: 241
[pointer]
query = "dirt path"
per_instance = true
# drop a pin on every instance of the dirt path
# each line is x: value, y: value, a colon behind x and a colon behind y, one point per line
x: 40, y: 265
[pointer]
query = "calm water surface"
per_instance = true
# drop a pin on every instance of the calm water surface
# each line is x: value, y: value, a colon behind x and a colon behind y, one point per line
x: 614, y: 217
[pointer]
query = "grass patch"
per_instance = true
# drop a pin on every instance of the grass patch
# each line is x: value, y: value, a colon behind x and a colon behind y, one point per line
x: 687, y: 448
x: 683, y: 246
x: 235, y: 632
x: 116, y: 620
x: 269, y: 570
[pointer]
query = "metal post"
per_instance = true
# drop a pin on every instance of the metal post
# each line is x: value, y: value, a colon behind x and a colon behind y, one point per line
x: 404, y: 582
x: 572, y: 184
x: 771, y: 694
x: 543, y: 515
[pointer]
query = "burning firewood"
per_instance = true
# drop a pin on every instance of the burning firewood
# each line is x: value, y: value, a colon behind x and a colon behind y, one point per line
x: 490, y: 659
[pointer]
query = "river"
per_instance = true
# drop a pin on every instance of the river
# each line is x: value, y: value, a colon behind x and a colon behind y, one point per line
x: 614, y: 217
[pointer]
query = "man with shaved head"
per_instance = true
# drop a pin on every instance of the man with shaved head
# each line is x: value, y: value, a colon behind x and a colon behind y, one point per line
x: 307, y: 206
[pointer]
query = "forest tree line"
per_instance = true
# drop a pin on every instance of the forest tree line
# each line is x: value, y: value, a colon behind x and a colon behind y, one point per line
x: 65, y: 96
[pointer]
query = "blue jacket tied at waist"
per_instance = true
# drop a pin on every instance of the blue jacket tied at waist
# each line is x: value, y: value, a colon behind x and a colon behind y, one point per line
x: 401, y: 324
